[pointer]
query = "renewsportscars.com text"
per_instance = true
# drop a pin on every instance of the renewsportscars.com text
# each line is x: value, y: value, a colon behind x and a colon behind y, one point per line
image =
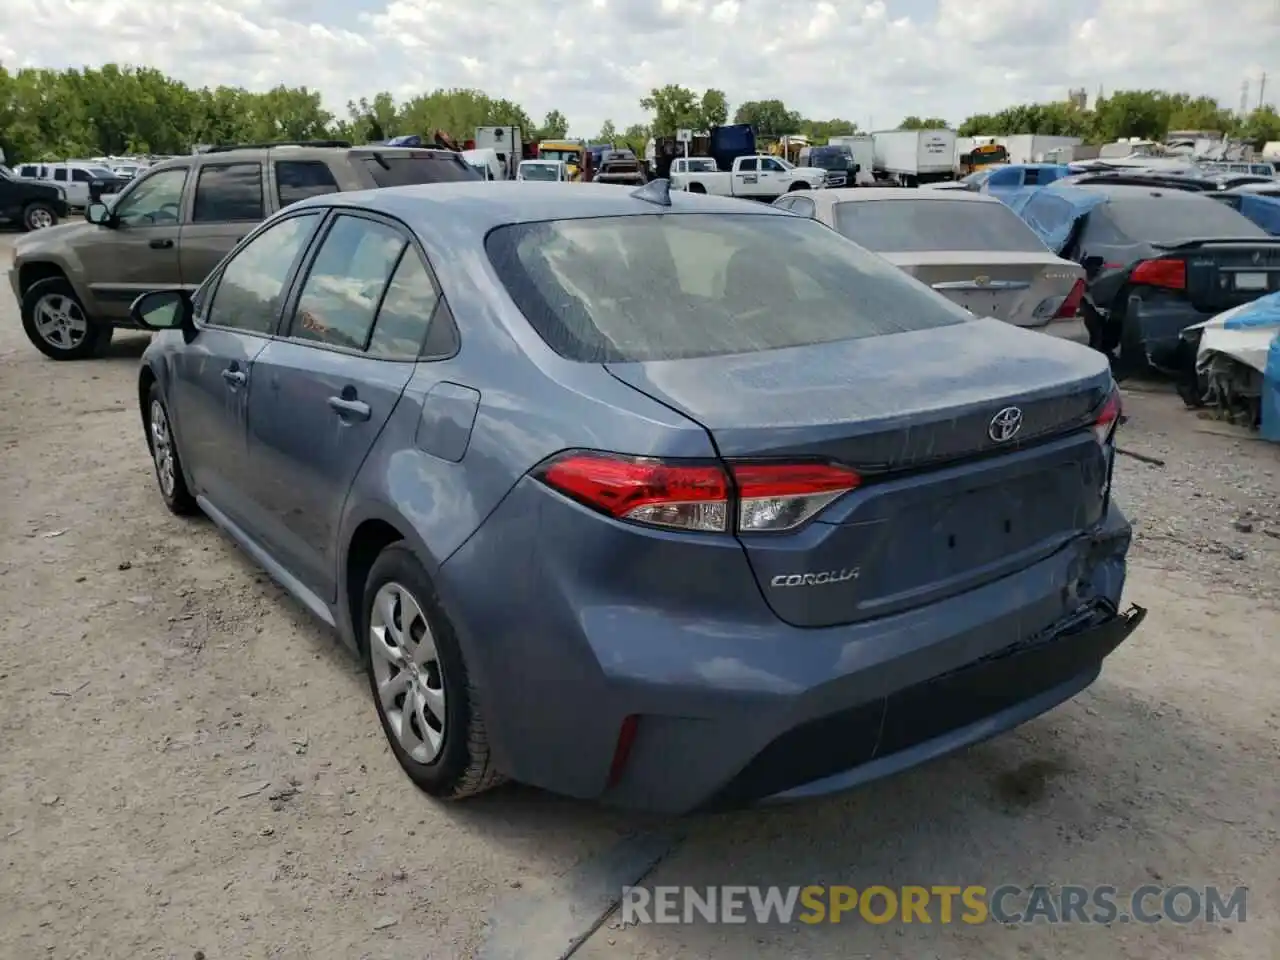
x: 938, y: 904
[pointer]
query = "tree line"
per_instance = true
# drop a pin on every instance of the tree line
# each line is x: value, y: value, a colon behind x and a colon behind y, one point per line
x: 45, y: 114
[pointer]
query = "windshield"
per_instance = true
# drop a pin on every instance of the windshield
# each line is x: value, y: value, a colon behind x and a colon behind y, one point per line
x: 567, y: 156
x: 786, y: 164
x: 831, y: 159
x: 976, y: 180
x: 700, y: 165
x: 100, y: 172
x: 539, y: 171
x: 916, y: 226
x: 675, y: 286
x: 1168, y: 217
x: 393, y: 171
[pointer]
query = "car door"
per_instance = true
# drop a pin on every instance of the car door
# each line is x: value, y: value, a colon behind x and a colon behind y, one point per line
x: 227, y: 202
x: 772, y: 175
x: 78, y: 191
x: 746, y: 178
x: 213, y: 375
x: 328, y: 385
x: 137, y: 250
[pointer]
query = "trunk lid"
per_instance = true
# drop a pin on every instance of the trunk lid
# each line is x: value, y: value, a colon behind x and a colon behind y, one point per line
x: 1222, y: 274
x: 1014, y: 287
x: 944, y: 506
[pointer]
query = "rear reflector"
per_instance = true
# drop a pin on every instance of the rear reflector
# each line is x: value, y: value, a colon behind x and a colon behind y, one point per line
x: 622, y: 752
x: 763, y: 497
x: 1071, y: 306
x: 1104, y: 426
x: 1170, y: 274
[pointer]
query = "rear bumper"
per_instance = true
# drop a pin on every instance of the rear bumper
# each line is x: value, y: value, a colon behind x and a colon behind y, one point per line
x: 1073, y: 330
x: 1157, y: 326
x: 740, y: 707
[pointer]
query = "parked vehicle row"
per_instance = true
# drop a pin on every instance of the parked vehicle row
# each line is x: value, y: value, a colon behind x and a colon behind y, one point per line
x: 799, y: 520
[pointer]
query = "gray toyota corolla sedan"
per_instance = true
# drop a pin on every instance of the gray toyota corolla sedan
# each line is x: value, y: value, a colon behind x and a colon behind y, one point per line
x: 663, y: 499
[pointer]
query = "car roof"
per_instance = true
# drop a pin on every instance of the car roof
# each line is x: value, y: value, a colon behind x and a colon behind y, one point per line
x: 1125, y: 191
x: 465, y: 211
x: 827, y: 198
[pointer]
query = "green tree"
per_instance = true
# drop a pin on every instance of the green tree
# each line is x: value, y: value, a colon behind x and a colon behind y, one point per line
x: 607, y: 133
x: 1261, y: 127
x: 927, y: 123
x: 674, y: 108
x: 769, y: 118
x: 635, y: 137
x: 713, y: 109
x: 554, y: 126
x: 824, y: 130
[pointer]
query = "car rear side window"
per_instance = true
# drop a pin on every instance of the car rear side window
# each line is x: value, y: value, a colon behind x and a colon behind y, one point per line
x: 299, y: 179
x: 406, y: 311
x: 673, y: 286
x: 249, y: 291
x: 227, y: 192
x: 920, y: 225
x: 400, y: 171
x: 345, y: 283
x: 1170, y: 217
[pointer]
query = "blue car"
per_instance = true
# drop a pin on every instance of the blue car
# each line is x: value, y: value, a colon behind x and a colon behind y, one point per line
x: 667, y: 500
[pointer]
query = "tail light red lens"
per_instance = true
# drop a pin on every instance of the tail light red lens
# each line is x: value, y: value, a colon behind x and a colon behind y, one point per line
x: 1071, y: 306
x: 1104, y: 426
x: 1170, y: 274
x: 761, y: 497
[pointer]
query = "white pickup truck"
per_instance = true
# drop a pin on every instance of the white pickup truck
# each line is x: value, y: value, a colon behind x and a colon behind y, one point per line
x: 760, y: 177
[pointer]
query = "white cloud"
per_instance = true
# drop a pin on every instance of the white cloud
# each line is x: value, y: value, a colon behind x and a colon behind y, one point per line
x: 871, y: 61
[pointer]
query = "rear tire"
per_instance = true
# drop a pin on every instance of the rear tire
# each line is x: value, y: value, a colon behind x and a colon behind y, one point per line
x: 38, y: 215
x: 402, y: 619
x: 56, y: 323
x: 697, y: 188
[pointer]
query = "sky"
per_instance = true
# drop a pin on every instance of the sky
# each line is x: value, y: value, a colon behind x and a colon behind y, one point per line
x: 869, y: 61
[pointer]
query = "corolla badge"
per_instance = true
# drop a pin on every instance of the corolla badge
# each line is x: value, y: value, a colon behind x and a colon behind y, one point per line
x: 815, y: 579
x: 1005, y: 425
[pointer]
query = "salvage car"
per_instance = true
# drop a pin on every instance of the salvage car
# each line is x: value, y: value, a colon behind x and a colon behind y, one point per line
x: 619, y: 167
x: 1156, y: 260
x: 603, y: 512
x: 969, y: 247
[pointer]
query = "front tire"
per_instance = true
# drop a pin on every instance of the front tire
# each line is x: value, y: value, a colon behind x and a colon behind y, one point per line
x: 798, y: 185
x: 38, y: 215
x: 422, y: 690
x: 164, y: 454
x: 56, y: 323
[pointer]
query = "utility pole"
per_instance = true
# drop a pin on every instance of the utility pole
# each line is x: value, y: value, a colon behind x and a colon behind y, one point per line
x: 1262, y: 89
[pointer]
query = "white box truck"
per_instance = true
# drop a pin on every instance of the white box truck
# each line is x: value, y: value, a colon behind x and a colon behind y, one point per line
x: 912, y: 157
x: 506, y: 143
x: 1036, y: 147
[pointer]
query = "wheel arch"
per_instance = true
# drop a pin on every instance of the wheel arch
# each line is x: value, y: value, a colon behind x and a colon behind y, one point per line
x: 370, y: 537
x: 29, y: 274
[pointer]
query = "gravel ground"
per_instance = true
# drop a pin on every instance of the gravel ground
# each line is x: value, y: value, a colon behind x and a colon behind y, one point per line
x: 189, y: 766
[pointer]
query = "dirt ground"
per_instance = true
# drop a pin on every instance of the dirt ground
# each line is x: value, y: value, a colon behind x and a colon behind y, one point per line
x: 190, y: 767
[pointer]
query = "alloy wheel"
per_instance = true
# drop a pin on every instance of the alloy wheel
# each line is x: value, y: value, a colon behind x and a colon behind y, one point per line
x: 60, y: 320
x: 407, y: 672
x: 162, y: 449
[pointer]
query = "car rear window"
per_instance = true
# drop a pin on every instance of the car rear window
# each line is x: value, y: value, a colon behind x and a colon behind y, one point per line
x: 1165, y: 218
x: 915, y: 226
x: 393, y: 171
x: 675, y: 286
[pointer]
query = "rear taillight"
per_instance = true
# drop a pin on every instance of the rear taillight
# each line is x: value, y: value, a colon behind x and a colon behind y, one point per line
x: 1170, y: 274
x: 1104, y: 425
x: 761, y: 497
x: 1071, y: 306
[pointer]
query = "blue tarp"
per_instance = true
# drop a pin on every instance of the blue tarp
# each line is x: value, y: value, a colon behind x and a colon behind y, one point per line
x: 1053, y: 222
x: 1264, y: 211
x: 1265, y: 312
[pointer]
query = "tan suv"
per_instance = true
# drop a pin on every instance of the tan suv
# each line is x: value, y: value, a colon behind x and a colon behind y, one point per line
x: 176, y: 222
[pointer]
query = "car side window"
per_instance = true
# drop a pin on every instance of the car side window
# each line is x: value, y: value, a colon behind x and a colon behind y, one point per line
x: 406, y: 311
x: 773, y: 166
x: 298, y: 179
x: 228, y: 192
x: 60, y: 175
x: 748, y: 165
x: 29, y: 171
x: 80, y: 176
x: 252, y: 284
x: 803, y: 206
x: 155, y: 200
x: 1005, y: 178
x: 1031, y: 177
x: 345, y: 283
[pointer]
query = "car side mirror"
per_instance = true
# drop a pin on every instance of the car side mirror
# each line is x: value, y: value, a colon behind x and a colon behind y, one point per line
x: 1092, y: 265
x: 162, y: 310
x: 98, y: 213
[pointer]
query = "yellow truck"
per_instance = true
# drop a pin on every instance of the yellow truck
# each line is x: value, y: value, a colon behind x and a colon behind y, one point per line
x: 571, y: 152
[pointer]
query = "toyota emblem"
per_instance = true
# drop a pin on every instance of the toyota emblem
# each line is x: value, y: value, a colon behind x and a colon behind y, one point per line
x: 1005, y: 425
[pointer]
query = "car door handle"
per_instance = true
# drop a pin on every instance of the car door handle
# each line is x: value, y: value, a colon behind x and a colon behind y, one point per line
x: 350, y: 409
x: 161, y: 244
x: 235, y: 378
